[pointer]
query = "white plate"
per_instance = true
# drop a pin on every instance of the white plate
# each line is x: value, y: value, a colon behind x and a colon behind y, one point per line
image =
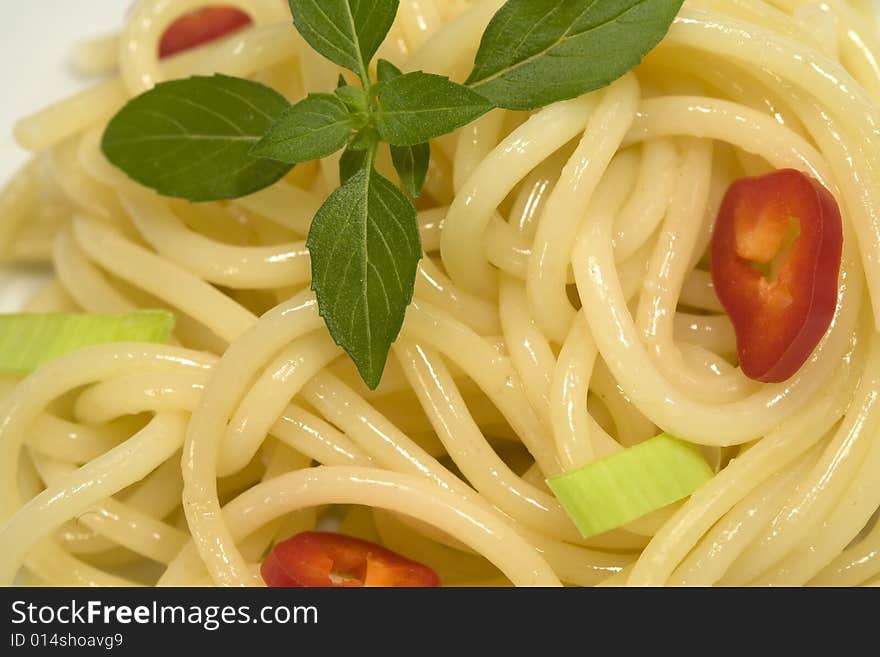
x: 34, y: 71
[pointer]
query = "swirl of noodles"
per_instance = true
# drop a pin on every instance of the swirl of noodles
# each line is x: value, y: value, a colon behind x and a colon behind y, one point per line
x: 564, y: 311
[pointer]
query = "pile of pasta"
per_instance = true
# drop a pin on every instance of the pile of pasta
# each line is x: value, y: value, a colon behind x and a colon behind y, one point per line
x: 563, y: 311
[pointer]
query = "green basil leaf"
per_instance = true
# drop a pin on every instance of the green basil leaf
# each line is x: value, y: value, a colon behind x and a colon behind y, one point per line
x: 352, y: 161
x: 538, y: 52
x: 312, y: 129
x: 385, y: 71
x: 192, y: 138
x: 417, y: 107
x: 355, y: 99
x: 366, y: 139
x: 341, y: 82
x: 412, y: 163
x: 365, y: 249
x: 347, y: 32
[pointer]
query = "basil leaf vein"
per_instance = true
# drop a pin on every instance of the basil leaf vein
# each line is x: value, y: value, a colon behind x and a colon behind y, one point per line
x: 417, y: 107
x: 411, y: 162
x: 310, y: 130
x: 537, y: 52
x: 365, y: 249
x: 192, y: 138
x: 347, y: 32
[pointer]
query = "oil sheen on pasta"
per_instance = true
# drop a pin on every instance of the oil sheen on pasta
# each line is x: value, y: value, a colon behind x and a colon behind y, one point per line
x: 564, y: 310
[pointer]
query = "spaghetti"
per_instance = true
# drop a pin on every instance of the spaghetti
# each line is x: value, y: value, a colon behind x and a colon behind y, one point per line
x: 564, y: 311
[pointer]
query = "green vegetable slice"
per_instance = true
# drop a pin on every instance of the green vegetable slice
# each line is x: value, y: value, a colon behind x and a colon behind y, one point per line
x: 30, y: 340
x: 616, y: 490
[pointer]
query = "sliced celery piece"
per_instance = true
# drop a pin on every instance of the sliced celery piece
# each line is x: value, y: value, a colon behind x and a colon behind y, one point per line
x: 30, y: 340
x: 616, y: 490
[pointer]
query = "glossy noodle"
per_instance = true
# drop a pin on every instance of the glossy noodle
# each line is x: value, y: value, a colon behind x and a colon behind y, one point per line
x: 564, y: 311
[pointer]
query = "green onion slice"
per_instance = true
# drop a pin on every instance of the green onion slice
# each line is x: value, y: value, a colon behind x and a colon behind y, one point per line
x: 27, y: 341
x: 616, y: 490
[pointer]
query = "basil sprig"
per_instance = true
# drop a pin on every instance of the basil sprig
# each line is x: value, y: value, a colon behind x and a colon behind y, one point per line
x: 215, y: 138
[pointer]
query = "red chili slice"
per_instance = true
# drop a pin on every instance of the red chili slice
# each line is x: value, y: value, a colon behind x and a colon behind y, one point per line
x: 775, y: 263
x: 323, y: 559
x: 200, y: 27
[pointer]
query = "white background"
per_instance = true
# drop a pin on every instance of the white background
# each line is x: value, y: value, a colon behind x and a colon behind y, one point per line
x: 35, y: 40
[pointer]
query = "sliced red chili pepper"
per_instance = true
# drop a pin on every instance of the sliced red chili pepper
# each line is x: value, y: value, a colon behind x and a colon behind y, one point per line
x: 324, y: 559
x: 776, y: 256
x: 200, y: 27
